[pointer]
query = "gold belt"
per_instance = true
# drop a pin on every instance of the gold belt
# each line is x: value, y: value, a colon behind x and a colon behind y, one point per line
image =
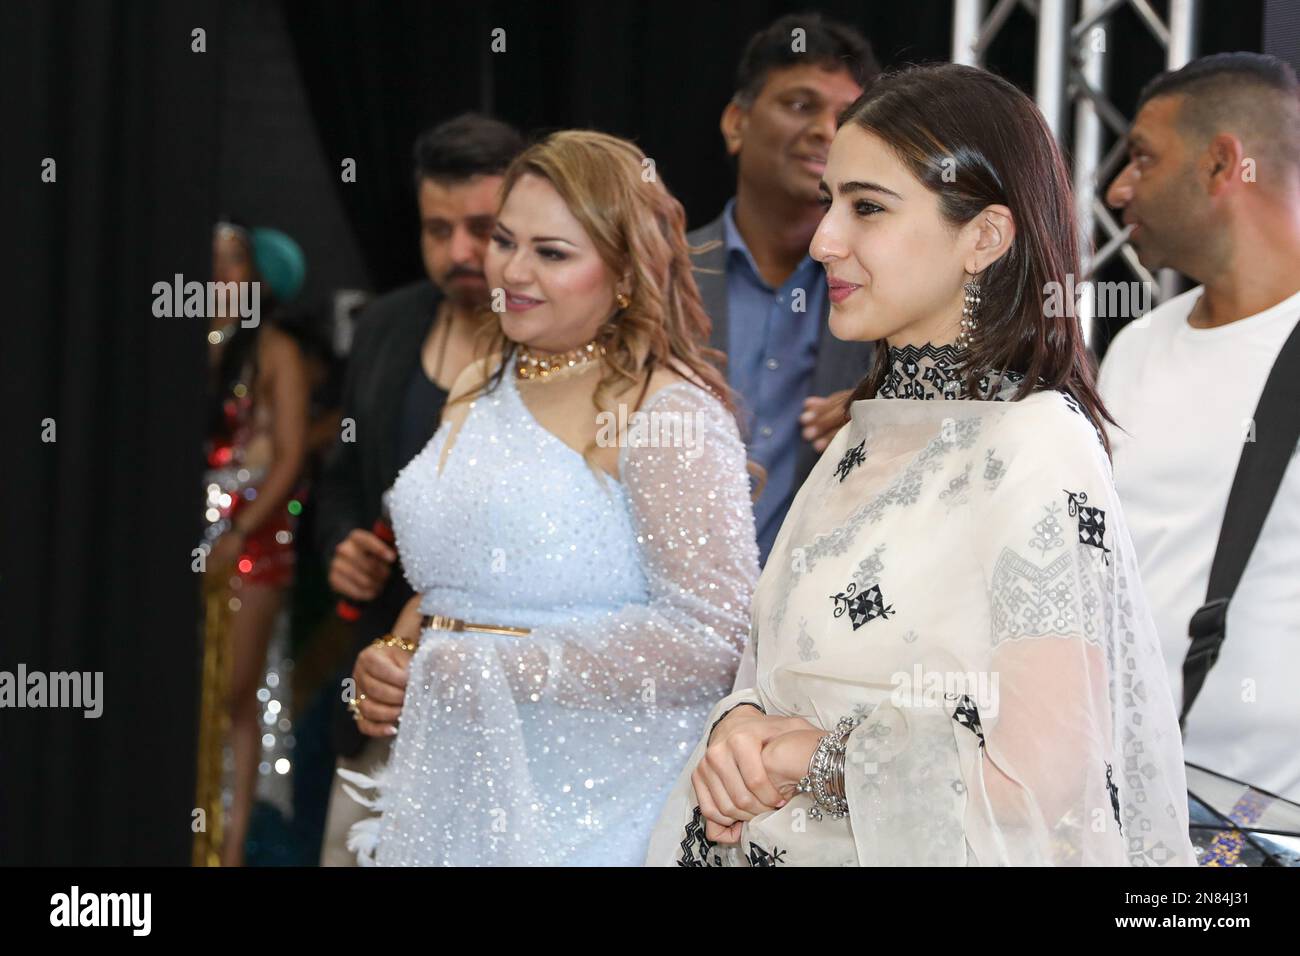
x: 441, y: 622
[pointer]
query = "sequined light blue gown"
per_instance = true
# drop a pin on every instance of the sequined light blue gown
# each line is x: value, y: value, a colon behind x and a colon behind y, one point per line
x: 560, y: 747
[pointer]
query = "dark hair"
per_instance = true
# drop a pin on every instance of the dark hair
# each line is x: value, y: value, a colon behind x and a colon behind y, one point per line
x: 1223, y: 92
x: 1219, y: 70
x: 239, y: 357
x: 468, y: 145
x: 828, y: 43
x: 975, y: 140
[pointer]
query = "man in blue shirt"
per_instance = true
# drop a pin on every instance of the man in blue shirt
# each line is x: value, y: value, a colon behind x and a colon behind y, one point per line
x: 765, y: 294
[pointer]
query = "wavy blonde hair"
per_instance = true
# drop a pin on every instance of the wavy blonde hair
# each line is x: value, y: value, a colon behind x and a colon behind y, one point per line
x: 635, y: 224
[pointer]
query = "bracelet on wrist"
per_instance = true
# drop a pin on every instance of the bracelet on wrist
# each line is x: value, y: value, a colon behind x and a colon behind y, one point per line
x: 392, y: 640
x: 824, y: 781
x: 743, y: 703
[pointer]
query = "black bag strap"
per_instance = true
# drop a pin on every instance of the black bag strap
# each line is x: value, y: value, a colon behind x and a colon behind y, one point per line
x: 1259, y: 475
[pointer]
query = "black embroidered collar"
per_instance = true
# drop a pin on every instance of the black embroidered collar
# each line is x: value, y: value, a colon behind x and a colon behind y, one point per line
x: 934, y: 372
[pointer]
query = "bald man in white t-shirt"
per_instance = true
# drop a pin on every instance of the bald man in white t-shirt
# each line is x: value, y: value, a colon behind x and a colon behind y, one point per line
x: 1212, y: 189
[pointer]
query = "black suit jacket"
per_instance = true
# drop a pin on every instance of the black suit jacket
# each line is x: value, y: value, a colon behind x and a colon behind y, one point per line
x: 385, y: 354
x: 839, y: 365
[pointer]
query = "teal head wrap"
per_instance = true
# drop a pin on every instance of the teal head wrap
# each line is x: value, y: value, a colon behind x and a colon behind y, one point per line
x: 279, y: 262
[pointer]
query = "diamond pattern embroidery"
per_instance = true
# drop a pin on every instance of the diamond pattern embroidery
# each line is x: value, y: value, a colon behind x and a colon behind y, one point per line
x: 1092, y: 521
x: 861, y: 607
x: 968, y: 715
x: 758, y: 856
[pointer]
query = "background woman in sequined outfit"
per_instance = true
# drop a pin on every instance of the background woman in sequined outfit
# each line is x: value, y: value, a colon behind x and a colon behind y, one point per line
x: 258, y: 438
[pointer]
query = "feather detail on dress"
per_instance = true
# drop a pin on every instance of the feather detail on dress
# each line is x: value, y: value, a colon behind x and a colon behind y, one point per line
x: 363, y: 836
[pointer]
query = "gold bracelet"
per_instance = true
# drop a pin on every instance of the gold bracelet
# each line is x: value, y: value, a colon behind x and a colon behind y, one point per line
x: 392, y: 640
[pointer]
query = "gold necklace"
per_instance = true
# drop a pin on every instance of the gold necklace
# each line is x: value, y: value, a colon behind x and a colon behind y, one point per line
x: 541, y: 367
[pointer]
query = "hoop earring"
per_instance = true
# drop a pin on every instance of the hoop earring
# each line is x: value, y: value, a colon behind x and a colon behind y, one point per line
x: 970, y: 308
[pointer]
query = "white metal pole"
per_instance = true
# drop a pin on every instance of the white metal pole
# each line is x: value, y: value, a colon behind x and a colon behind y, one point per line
x: 1051, y: 66
x: 966, y: 18
x: 1087, y: 150
x: 1182, y: 47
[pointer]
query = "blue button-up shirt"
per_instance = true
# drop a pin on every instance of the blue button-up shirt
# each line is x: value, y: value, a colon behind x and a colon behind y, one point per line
x: 771, y: 353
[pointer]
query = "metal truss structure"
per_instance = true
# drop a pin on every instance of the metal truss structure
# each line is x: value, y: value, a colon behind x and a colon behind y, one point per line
x: 1070, y: 87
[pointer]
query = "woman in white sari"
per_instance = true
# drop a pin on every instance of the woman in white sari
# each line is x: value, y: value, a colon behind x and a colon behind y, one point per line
x: 951, y: 659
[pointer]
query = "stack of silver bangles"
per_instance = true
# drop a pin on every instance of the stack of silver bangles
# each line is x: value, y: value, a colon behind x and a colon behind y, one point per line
x: 825, y: 778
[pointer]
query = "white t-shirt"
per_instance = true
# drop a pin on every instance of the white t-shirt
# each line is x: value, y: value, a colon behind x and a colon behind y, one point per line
x: 1186, y: 398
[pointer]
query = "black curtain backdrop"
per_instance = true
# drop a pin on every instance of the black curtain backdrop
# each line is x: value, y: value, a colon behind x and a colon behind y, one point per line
x: 657, y: 73
x: 98, y: 525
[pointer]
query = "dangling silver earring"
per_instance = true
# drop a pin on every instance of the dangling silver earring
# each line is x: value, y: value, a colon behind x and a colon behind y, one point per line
x: 969, y: 310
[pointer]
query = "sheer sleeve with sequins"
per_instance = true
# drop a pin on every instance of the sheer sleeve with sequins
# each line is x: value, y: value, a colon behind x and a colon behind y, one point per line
x: 683, y: 466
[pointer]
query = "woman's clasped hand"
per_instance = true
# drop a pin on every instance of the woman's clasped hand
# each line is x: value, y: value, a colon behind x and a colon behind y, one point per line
x: 752, y: 765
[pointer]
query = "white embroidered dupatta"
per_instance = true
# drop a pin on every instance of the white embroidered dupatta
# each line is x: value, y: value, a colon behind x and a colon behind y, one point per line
x: 957, y: 576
